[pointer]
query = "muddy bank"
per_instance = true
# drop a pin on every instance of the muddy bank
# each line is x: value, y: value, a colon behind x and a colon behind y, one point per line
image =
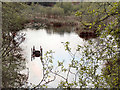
x: 58, y: 22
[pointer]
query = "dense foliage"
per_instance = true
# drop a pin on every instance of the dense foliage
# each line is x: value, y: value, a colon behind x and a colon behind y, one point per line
x: 12, y: 60
x: 105, y: 21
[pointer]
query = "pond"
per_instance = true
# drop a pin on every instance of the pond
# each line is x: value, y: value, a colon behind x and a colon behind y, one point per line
x: 49, y: 39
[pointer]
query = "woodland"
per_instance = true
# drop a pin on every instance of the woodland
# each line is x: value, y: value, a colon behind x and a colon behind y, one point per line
x: 100, y: 19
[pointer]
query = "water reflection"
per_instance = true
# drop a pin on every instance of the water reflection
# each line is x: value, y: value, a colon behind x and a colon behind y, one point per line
x: 48, y: 41
x: 61, y: 30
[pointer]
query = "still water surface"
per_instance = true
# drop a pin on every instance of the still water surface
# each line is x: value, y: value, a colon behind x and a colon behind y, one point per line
x: 48, y: 41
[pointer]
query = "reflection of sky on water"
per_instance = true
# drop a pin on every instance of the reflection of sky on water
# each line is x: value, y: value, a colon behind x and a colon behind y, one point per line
x: 48, y: 42
x: 52, y: 41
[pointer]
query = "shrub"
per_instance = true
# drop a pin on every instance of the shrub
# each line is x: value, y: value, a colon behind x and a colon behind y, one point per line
x: 57, y: 11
